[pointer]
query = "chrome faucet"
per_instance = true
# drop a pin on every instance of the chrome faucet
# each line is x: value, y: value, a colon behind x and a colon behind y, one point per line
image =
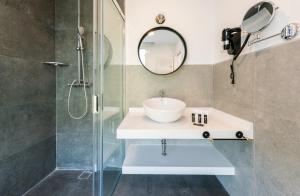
x: 162, y: 93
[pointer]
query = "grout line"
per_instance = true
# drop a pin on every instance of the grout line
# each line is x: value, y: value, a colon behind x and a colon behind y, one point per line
x: 23, y: 58
x: 72, y: 169
x: 213, y: 86
x: 24, y: 194
x: 254, y: 51
x: 56, y: 79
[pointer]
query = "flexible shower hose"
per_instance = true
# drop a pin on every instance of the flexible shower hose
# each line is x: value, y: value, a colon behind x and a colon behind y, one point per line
x: 84, y: 89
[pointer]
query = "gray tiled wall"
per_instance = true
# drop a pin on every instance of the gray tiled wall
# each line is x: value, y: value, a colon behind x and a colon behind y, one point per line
x: 191, y: 83
x: 241, y: 155
x: 74, y: 137
x: 27, y: 100
x: 267, y: 92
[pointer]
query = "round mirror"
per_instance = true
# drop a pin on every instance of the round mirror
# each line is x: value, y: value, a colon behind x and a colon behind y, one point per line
x: 162, y: 50
x: 258, y: 17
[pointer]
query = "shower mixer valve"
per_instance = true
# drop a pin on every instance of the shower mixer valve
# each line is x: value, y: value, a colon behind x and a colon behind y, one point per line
x: 80, y: 84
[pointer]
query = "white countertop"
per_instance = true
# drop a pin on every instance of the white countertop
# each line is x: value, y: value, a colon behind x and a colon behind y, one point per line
x: 221, y: 125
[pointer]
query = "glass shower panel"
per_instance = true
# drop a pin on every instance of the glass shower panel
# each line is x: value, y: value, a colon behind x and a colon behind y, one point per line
x: 74, y: 46
x: 108, y: 87
x: 112, y: 73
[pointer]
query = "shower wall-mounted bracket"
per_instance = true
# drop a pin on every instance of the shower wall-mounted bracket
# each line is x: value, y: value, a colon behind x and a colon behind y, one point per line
x: 56, y: 64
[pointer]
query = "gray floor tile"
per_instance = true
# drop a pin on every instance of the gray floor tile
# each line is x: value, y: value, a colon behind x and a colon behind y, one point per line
x: 169, y: 185
x: 65, y: 183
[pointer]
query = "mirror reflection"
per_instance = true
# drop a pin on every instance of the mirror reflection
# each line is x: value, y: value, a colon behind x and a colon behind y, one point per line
x: 107, y: 51
x: 162, y: 50
x: 258, y: 17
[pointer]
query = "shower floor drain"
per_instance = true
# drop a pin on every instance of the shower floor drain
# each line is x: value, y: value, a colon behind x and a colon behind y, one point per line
x: 84, y: 175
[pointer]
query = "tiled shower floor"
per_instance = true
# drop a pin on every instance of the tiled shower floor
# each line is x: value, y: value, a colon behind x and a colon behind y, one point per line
x: 63, y: 183
x: 66, y: 183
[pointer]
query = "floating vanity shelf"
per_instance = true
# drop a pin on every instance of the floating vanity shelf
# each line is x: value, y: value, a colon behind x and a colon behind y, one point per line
x: 203, y: 159
x: 180, y: 160
x: 221, y: 125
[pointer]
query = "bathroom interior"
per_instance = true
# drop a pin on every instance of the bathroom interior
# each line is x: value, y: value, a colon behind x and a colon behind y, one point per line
x: 149, y: 98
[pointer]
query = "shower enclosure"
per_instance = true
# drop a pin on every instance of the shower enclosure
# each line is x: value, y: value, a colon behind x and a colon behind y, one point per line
x: 108, y: 93
x: 90, y: 39
x: 58, y: 118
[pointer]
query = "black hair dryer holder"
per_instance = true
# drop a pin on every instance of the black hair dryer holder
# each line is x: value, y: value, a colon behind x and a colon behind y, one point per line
x: 231, y: 38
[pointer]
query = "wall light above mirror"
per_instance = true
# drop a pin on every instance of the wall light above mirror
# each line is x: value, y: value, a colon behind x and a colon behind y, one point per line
x: 162, y: 50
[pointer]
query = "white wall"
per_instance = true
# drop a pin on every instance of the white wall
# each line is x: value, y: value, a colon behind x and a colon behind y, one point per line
x: 201, y: 22
x: 193, y: 19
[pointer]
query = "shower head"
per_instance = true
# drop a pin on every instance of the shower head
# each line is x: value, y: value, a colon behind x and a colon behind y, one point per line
x: 80, y: 30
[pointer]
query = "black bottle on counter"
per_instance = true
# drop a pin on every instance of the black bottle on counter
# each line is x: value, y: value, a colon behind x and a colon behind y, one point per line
x: 205, y: 119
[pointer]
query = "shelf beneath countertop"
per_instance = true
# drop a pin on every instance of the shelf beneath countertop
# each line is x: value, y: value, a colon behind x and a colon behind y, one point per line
x: 221, y: 125
x: 180, y: 160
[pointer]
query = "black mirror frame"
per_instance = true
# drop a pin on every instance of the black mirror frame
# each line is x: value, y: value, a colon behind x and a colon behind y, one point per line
x: 163, y: 28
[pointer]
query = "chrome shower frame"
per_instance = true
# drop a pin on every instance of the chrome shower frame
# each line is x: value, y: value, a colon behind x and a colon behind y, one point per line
x: 80, y: 82
x: 80, y: 62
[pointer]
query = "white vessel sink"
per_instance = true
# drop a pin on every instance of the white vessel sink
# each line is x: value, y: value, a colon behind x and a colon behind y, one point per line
x: 164, y: 110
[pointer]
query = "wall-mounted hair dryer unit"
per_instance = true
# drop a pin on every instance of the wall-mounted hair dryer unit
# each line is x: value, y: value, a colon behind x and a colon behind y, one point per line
x: 257, y: 18
x: 231, y: 38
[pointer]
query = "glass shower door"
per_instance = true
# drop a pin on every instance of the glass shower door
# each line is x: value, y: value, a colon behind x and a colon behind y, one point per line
x: 108, y: 85
x: 112, y: 78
